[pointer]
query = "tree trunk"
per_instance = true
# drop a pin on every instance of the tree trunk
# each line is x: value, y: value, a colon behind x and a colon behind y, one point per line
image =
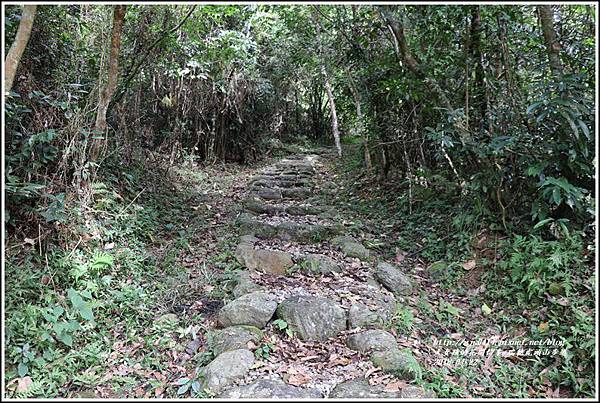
x: 405, y: 55
x: 359, y: 115
x: 478, y: 93
x: 111, y: 84
x: 552, y: 44
x: 334, y: 119
x: 16, y: 50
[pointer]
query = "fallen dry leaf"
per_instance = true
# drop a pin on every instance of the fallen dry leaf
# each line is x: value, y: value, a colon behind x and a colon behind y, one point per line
x: 395, y: 386
x: 298, y: 379
x: 470, y: 265
x: 23, y: 384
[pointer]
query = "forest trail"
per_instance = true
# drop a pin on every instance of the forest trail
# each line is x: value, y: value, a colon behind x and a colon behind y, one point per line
x: 308, y: 312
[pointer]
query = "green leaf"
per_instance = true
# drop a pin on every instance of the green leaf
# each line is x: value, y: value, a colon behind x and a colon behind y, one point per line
x: 82, y: 307
x: 65, y: 338
x: 58, y: 310
x: 532, y: 107
x: 23, y: 369
x: 556, y: 196
x: 584, y: 128
x: 182, y: 389
x: 571, y: 123
x: 542, y: 223
x: 182, y: 381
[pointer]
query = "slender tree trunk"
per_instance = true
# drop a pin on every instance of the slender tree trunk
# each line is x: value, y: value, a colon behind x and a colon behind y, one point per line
x: 405, y: 55
x: 478, y: 93
x: 325, y: 74
x: 363, y: 130
x: 18, y: 47
x: 113, y: 71
x: 552, y: 44
x: 334, y: 119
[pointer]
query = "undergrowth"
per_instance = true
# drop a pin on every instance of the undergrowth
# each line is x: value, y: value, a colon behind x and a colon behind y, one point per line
x: 536, y: 281
x: 82, y: 308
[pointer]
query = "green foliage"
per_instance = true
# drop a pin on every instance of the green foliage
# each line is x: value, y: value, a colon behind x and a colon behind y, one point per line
x: 403, y: 319
x: 556, y: 277
x: 264, y: 350
x: 283, y: 326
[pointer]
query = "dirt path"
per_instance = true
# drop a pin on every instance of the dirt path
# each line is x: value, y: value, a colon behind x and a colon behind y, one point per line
x: 309, y: 315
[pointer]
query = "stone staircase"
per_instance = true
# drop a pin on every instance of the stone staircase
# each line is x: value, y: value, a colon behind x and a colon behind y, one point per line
x: 325, y: 287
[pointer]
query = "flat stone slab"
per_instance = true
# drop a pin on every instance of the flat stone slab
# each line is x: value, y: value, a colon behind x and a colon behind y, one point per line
x: 415, y: 392
x: 296, y: 193
x: 245, y: 285
x: 372, y: 340
x: 254, y: 309
x: 267, y: 261
x: 360, y: 388
x: 312, y: 318
x: 303, y: 210
x: 304, y: 233
x: 379, y: 311
x: 226, y: 369
x: 392, y: 278
x: 260, y: 207
x: 351, y: 247
x: 269, y: 194
x: 249, y: 225
x: 286, y: 231
x: 270, y: 389
x: 315, y: 263
x: 234, y: 338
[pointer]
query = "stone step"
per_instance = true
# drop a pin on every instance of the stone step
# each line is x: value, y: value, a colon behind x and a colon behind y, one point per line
x: 286, y: 230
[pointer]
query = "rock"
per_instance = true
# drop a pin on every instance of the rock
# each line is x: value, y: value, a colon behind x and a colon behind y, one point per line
x: 296, y: 193
x: 302, y: 210
x: 251, y: 226
x: 286, y: 231
x: 254, y: 309
x: 401, y: 364
x: 234, y: 338
x: 226, y: 369
x: 168, y: 319
x: 350, y: 247
x: 249, y: 239
x: 372, y: 340
x: 360, y: 388
x: 269, y: 194
x: 245, y: 285
x: 270, y: 389
x: 261, y: 208
x: 438, y: 271
x: 303, y: 233
x: 313, y: 318
x: 315, y: 263
x: 268, y: 261
x: 355, y: 249
x: 415, y: 392
x: 393, y: 279
x: 360, y: 315
x: 341, y: 239
x: 295, y: 183
x: 244, y: 252
x: 377, y: 314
